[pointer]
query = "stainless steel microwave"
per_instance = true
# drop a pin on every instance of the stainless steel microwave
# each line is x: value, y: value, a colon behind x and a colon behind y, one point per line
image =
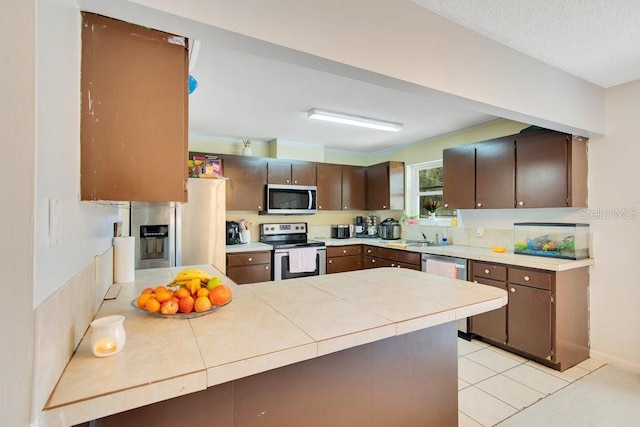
x: 291, y: 199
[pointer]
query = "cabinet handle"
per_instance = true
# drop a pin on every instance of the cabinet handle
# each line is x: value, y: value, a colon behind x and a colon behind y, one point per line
x: 393, y: 265
x: 295, y: 182
x: 368, y: 251
x: 475, y: 281
x: 266, y: 267
x: 319, y: 207
x: 330, y: 261
x: 344, y: 251
x: 384, y: 206
x: 526, y: 278
x: 345, y: 208
x: 373, y: 261
x: 479, y: 205
x: 520, y: 203
x: 250, y: 259
x: 446, y: 205
x: 513, y: 290
x: 486, y: 271
x: 259, y: 208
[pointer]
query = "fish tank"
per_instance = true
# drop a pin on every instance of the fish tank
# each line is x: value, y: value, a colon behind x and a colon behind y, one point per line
x: 552, y: 239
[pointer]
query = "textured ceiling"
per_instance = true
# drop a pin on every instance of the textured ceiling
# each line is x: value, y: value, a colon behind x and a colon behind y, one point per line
x: 596, y: 40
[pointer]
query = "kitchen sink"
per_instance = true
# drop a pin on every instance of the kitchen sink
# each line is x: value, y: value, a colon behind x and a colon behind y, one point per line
x: 421, y: 243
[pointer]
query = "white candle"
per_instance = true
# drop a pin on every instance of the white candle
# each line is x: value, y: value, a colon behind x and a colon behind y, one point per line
x: 105, y: 346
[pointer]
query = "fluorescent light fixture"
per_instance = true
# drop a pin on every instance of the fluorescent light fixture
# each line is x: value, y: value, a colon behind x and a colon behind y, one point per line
x: 348, y: 119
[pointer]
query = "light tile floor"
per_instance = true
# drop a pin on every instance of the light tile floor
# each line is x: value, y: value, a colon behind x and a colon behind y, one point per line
x: 496, y: 387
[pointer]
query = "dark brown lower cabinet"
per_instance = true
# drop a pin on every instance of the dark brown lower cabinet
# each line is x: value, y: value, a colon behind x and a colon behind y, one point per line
x: 493, y: 324
x: 344, y: 258
x: 249, y: 267
x: 546, y: 318
x: 529, y: 320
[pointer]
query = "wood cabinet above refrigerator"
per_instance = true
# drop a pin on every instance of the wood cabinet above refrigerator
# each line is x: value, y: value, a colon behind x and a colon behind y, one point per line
x: 134, y: 111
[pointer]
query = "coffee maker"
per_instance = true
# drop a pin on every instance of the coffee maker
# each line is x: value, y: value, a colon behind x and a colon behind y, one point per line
x: 365, y: 226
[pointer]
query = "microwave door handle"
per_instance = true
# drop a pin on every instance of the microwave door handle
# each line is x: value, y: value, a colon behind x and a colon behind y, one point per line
x: 310, y: 200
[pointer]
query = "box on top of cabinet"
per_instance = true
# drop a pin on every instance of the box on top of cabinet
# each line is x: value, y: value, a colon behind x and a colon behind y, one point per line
x: 552, y: 239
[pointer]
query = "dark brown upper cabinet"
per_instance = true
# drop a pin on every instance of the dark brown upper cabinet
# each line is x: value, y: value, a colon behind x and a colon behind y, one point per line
x: 536, y: 168
x: 134, y: 112
x: 340, y: 187
x: 459, y: 177
x: 495, y: 174
x: 246, y: 178
x: 385, y: 186
x: 291, y: 172
x: 551, y: 171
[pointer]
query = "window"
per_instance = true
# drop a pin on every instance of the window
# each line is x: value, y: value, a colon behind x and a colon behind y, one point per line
x: 424, y: 190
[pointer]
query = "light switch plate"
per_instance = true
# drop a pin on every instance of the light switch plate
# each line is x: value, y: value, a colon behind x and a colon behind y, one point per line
x: 55, y: 221
x: 479, y: 231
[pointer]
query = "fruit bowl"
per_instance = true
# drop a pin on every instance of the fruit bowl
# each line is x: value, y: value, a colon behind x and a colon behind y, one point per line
x: 178, y: 315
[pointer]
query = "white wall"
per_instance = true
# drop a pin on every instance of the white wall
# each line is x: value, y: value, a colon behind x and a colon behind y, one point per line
x: 17, y: 182
x: 615, y: 282
x: 86, y: 227
x: 402, y: 46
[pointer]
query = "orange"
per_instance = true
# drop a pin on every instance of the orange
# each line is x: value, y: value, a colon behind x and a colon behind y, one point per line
x: 220, y: 295
x: 203, y: 292
x: 202, y: 304
x: 152, y: 305
x: 183, y: 292
x: 143, y: 298
x: 163, y: 295
x: 147, y: 291
x: 159, y: 288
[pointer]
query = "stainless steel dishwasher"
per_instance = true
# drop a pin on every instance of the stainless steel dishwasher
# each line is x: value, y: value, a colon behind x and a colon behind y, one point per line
x: 460, y: 268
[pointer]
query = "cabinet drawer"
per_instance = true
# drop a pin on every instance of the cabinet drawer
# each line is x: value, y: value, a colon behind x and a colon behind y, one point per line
x: 387, y: 253
x: 344, y: 263
x: 408, y: 257
x: 336, y: 251
x: 250, y: 273
x: 532, y: 278
x: 490, y: 271
x: 370, y: 250
x: 248, y: 258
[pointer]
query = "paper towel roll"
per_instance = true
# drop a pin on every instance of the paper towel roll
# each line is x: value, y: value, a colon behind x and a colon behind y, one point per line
x: 123, y: 259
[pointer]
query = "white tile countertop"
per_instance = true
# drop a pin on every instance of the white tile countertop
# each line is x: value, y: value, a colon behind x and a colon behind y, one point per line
x: 266, y: 326
x: 470, y: 252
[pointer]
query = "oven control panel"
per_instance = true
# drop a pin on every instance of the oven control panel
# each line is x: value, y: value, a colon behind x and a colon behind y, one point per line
x: 283, y: 228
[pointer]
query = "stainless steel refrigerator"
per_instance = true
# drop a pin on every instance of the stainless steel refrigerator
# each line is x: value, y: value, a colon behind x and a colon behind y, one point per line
x: 175, y: 234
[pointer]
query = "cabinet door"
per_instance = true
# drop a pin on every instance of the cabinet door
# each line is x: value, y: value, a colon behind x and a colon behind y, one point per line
x: 542, y: 179
x: 492, y: 324
x: 459, y: 177
x: 133, y: 120
x: 278, y: 172
x: 385, y: 186
x: 303, y: 173
x: 529, y: 322
x: 344, y: 263
x: 329, y: 181
x: 246, y: 178
x: 495, y: 174
x: 353, y: 188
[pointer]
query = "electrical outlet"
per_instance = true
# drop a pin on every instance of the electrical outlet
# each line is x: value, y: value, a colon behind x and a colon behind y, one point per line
x: 479, y: 231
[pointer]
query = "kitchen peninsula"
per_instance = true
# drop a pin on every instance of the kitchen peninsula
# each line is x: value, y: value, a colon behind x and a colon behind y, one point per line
x: 370, y: 347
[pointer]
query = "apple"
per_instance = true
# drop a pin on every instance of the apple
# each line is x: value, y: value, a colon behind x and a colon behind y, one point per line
x: 169, y: 307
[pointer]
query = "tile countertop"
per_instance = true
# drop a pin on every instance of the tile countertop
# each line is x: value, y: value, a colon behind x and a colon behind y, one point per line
x: 266, y: 326
x: 473, y: 253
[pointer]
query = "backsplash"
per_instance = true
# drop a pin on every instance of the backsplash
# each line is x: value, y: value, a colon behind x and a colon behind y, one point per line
x: 465, y: 236
x: 63, y: 319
